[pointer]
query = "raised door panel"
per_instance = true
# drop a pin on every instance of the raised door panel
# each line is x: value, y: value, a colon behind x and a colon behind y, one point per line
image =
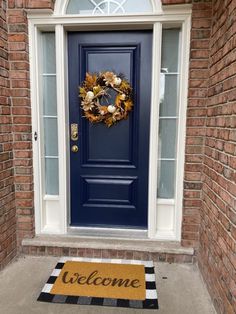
x: 122, y: 148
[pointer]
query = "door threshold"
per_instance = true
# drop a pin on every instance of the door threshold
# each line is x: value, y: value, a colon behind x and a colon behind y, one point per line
x: 117, y: 233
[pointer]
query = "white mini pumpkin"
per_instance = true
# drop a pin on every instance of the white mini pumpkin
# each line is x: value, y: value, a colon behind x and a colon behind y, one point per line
x: 111, y: 108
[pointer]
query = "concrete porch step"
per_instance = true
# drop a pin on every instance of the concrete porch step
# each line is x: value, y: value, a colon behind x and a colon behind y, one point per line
x: 171, y: 252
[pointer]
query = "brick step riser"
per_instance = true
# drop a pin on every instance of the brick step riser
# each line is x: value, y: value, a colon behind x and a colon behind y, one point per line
x: 105, y: 253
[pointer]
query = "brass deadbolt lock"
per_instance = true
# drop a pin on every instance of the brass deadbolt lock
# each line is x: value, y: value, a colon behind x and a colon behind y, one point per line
x: 75, y: 149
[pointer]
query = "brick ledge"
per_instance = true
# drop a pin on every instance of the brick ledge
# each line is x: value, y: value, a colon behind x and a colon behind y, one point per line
x: 137, y: 245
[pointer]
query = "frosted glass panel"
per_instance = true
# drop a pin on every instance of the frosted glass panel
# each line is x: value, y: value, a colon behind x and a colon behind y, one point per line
x: 166, y: 179
x: 93, y: 7
x: 170, y: 50
x: 49, y: 95
x: 51, y: 174
x: 138, y: 6
x: 169, y: 93
x: 49, y: 113
x: 49, y: 59
x: 79, y: 7
x: 169, y: 112
x: 167, y: 138
x: 50, y: 137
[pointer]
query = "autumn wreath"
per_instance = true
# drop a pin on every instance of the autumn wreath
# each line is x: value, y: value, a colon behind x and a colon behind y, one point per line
x: 96, y: 92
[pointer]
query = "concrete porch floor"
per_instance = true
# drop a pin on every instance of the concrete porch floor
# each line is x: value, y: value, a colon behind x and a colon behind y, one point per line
x: 183, y: 292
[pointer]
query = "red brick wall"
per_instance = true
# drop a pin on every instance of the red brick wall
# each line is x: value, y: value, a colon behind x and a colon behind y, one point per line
x: 7, y: 197
x: 217, y: 254
x: 21, y: 115
x: 196, y: 116
x: 21, y: 111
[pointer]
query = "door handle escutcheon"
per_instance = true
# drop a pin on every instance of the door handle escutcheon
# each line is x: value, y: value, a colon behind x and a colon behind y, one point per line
x: 74, y: 133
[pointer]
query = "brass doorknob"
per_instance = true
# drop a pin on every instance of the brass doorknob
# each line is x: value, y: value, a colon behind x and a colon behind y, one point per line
x: 75, y: 149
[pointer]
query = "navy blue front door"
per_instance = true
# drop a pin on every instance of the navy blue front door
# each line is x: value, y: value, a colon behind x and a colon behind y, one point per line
x: 109, y: 173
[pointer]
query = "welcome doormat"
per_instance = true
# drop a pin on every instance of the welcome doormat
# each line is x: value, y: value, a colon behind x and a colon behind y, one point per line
x: 107, y: 282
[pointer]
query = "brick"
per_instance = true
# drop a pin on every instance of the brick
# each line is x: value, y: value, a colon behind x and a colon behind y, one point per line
x: 18, y: 28
x: 20, y: 38
x: 39, y: 4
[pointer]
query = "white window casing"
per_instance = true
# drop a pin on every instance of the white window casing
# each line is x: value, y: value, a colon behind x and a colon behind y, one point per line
x: 51, y: 211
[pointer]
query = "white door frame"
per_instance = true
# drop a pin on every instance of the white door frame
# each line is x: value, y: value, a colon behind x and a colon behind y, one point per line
x: 51, y: 212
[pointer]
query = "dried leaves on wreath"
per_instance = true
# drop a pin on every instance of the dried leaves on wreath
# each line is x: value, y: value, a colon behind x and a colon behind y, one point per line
x: 96, y: 89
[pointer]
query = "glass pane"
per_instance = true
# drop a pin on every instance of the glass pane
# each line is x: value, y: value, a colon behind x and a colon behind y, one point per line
x: 166, y: 179
x: 170, y: 50
x: 51, y: 176
x: 50, y: 137
x: 168, y: 95
x: 49, y: 113
x: 167, y: 138
x: 80, y: 7
x: 138, y: 6
x: 49, y: 52
x: 49, y: 96
x: 91, y: 7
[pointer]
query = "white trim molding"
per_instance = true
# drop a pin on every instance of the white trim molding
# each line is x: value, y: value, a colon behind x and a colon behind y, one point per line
x: 154, y: 127
x: 51, y: 212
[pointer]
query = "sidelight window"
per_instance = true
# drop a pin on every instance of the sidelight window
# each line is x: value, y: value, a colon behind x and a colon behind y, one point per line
x: 168, y: 117
x: 170, y: 134
x: 49, y: 149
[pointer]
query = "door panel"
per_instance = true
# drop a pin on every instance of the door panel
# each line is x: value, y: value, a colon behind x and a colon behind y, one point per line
x: 109, y: 174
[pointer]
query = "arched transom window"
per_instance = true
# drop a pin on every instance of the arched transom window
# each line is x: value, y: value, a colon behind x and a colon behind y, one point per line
x: 108, y: 7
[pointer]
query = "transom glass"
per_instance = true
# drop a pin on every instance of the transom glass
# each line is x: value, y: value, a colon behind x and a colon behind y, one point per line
x: 108, y: 7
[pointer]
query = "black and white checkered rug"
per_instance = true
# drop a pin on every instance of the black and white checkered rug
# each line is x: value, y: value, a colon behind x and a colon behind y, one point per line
x: 151, y: 301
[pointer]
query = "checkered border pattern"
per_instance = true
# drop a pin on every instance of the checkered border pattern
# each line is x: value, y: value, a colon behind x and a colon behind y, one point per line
x: 151, y: 301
